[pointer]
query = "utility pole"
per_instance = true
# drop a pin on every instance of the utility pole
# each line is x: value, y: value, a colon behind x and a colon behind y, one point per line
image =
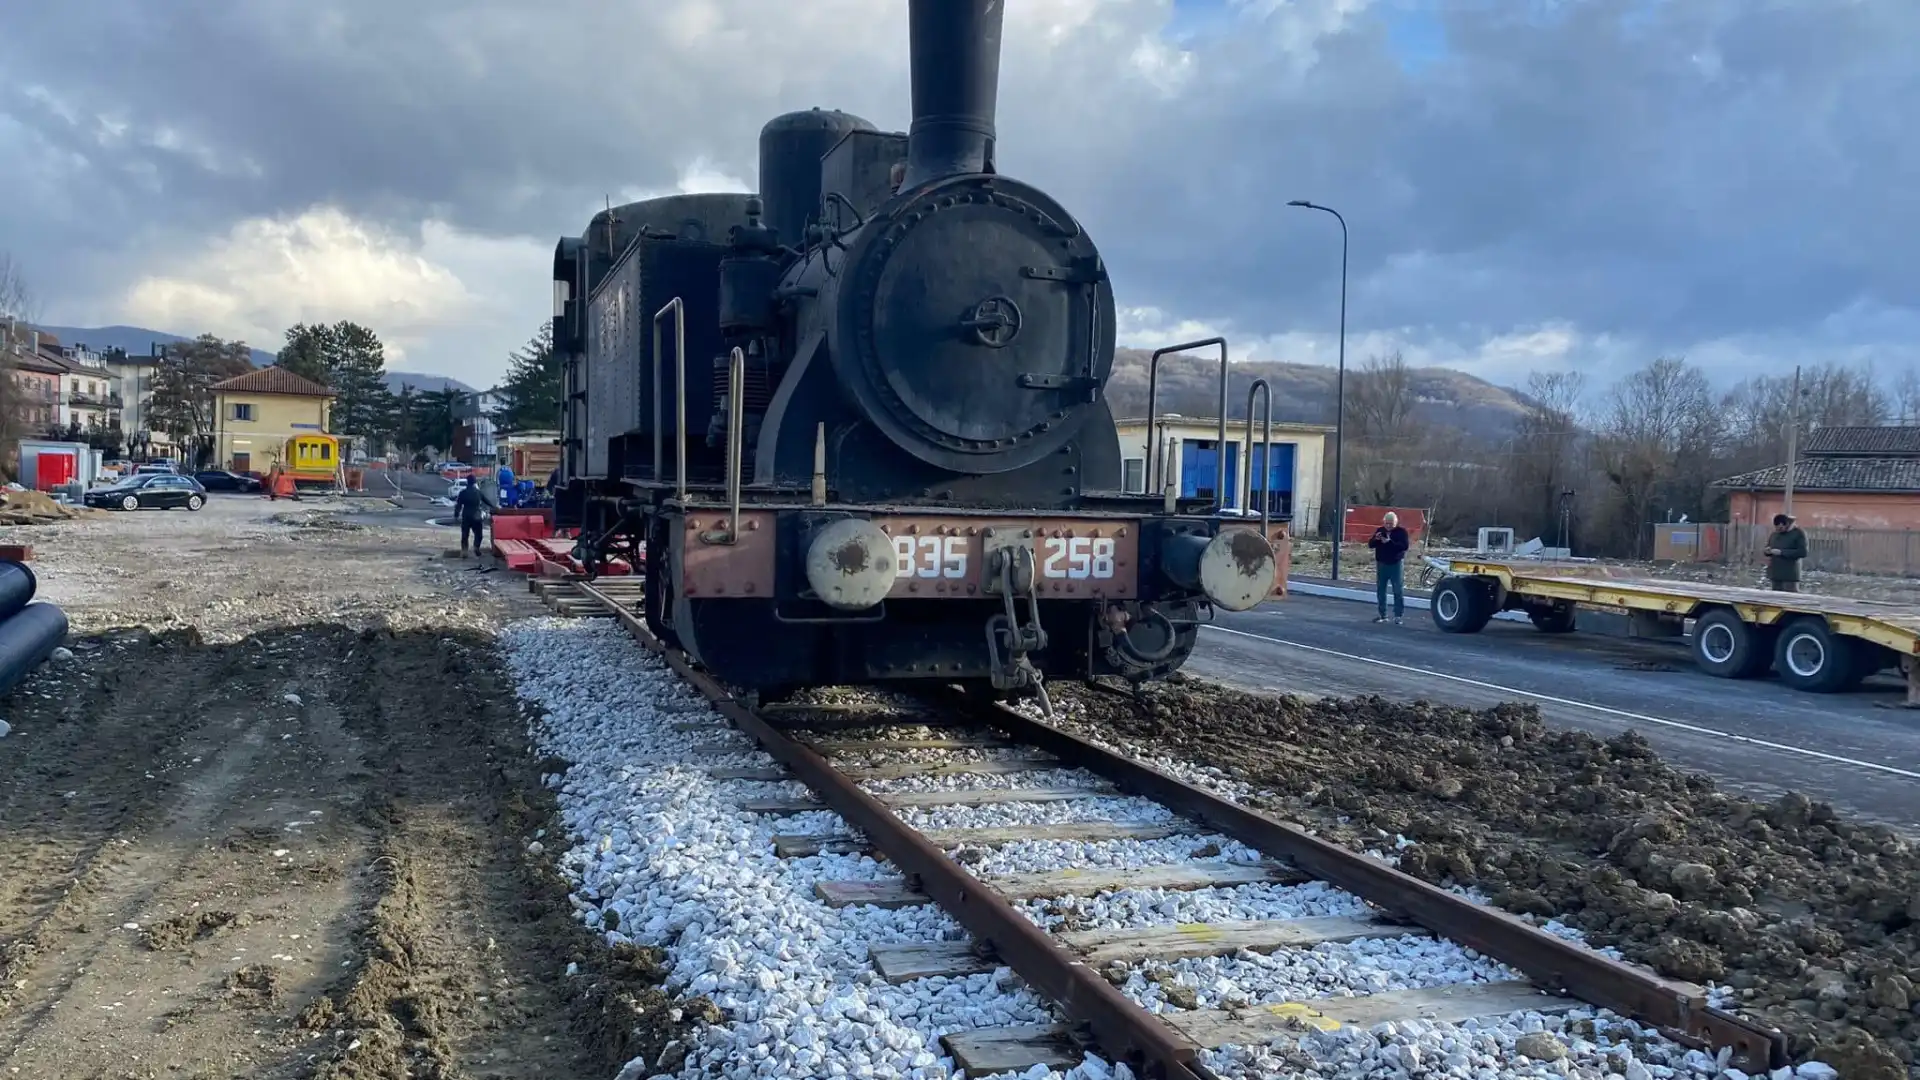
x: 1793, y: 438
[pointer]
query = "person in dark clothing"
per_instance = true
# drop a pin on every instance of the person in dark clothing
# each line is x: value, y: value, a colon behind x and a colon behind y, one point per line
x: 1788, y: 547
x: 1389, y: 544
x: 471, y: 506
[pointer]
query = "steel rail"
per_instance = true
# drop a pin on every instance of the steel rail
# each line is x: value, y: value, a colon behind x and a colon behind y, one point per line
x: 1121, y: 1029
x: 1679, y: 1010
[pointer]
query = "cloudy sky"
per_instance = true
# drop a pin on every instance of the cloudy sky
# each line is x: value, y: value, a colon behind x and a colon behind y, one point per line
x: 1530, y: 183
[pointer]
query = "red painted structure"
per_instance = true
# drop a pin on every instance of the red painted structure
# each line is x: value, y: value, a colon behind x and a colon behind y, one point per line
x: 1362, y: 520
x: 525, y: 541
x: 55, y: 469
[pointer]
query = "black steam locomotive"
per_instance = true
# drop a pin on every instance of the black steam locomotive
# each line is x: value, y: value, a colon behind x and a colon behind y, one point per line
x: 855, y: 423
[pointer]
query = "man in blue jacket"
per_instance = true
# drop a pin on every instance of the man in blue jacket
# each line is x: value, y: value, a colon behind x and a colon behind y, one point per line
x: 1389, y: 544
x: 471, y: 506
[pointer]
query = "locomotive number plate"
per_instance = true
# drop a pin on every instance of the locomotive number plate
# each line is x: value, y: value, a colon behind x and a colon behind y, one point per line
x: 1077, y: 557
x: 931, y: 556
x: 937, y: 556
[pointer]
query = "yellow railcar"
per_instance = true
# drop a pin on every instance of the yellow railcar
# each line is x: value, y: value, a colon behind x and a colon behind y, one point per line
x: 312, y: 460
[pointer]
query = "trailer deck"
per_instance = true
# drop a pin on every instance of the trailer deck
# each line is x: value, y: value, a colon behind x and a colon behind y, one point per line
x: 1821, y: 644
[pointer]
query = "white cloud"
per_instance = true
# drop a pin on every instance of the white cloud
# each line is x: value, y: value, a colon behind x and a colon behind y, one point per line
x: 442, y: 299
x: 321, y: 265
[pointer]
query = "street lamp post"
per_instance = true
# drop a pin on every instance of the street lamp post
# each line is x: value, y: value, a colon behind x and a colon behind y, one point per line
x: 1339, y: 393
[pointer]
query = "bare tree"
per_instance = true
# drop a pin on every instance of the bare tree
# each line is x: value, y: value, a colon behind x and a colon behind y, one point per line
x: 1659, y: 430
x: 16, y: 296
x: 1759, y: 411
x: 1381, y: 399
x: 1386, y: 442
x: 1905, y: 397
x: 17, y: 308
x: 1542, y: 457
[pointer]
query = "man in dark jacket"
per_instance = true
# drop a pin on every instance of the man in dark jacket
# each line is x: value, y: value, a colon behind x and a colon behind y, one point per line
x: 1389, y: 544
x: 471, y: 506
x: 1787, y: 547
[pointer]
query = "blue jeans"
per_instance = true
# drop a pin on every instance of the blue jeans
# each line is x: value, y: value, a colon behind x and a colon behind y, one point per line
x: 1383, y: 574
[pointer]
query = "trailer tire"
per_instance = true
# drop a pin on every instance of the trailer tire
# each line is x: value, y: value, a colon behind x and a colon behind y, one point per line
x: 1809, y: 656
x: 1728, y: 646
x: 1558, y: 619
x: 1461, y: 605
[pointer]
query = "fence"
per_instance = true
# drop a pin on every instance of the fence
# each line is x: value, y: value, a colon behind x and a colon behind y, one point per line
x: 1893, y: 552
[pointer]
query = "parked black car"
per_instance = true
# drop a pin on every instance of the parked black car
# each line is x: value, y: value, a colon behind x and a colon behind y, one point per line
x: 221, y: 480
x: 154, y: 491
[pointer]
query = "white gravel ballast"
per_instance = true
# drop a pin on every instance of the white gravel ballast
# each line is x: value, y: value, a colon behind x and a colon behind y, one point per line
x: 660, y: 854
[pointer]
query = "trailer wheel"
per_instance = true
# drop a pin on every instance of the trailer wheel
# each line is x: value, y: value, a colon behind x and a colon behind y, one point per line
x: 1730, y: 647
x: 1461, y: 605
x: 1558, y: 619
x: 1810, y: 656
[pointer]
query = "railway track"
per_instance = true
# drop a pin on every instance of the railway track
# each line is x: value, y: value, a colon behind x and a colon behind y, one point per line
x: 966, y: 754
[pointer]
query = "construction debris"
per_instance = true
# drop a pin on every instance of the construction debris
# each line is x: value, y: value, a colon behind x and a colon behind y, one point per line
x: 35, y: 508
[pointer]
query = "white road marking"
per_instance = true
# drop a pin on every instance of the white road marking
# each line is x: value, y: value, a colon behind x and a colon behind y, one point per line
x: 1570, y: 703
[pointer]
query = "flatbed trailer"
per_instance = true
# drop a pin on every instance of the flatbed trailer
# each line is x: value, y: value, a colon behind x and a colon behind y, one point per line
x: 1820, y: 644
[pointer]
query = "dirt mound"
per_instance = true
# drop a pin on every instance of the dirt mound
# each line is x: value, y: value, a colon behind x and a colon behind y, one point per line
x: 34, y: 508
x: 1812, y: 920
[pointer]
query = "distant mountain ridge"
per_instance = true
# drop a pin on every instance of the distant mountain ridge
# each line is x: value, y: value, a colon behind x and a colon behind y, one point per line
x: 139, y: 341
x: 1302, y: 393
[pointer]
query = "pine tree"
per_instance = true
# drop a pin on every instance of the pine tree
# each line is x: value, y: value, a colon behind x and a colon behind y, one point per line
x: 350, y: 360
x: 535, y: 386
x: 434, y: 420
x: 309, y: 352
x: 358, y: 367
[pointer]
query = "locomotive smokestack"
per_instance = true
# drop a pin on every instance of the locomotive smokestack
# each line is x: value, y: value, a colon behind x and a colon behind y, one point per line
x: 955, y: 50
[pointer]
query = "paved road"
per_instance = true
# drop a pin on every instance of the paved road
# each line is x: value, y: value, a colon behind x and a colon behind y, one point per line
x: 1856, y: 750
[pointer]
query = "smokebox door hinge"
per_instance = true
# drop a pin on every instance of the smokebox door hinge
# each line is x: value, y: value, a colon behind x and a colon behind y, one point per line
x: 1083, y: 272
x: 1081, y: 383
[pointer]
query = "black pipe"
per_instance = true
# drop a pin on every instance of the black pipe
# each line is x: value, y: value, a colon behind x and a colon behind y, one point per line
x: 955, y: 52
x: 27, y: 639
x: 17, y: 586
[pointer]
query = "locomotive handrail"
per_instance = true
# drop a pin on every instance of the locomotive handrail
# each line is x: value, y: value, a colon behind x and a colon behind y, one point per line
x: 736, y: 437
x: 679, y: 312
x: 1153, y: 386
x: 1261, y: 388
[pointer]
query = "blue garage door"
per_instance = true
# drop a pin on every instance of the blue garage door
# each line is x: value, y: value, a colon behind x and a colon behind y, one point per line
x: 1279, y: 478
x: 1198, y: 461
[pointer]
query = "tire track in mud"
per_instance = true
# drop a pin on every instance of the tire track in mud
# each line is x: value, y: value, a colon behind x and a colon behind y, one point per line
x: 468, y: 937
x: 95, y: 764
x: 334, y: 884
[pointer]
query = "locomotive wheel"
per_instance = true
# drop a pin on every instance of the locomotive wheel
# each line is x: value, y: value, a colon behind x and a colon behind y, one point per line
x: 654, y: 577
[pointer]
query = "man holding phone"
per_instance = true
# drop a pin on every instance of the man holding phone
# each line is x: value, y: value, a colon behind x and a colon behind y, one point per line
x: 1389, y: 544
